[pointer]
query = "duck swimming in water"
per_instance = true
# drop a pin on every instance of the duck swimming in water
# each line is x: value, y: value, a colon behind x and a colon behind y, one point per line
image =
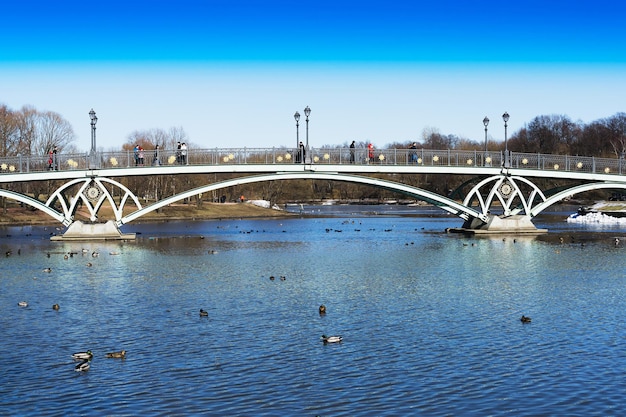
x: 322, y: 309
x: 55, y: 306
x: 83, y: 355
x: 83, y: 366
x: 22, y: 304
x: 204, y: 313
x: 120, y: 355
x: 331, y: 339
x: 525, y: 319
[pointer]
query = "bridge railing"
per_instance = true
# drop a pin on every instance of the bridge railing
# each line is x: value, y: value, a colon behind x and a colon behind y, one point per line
x: 331, y: 156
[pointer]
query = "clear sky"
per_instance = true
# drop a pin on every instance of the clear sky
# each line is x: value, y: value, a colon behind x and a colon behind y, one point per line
x: 232, y: 73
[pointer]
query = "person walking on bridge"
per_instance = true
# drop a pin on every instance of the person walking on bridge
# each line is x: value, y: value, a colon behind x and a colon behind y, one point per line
x: 370, y: 152
x: 352, y: 150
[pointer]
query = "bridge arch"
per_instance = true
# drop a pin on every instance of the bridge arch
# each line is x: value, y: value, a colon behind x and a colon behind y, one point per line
x: 442, y: 202
x: 572, y: 191
x: 36, y: 204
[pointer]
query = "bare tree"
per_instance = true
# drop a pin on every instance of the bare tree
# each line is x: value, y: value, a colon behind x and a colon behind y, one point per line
x: 8, y: 131
x: 51, y: 130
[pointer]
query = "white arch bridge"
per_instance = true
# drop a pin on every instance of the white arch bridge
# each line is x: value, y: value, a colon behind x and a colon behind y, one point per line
x: 89, y: 181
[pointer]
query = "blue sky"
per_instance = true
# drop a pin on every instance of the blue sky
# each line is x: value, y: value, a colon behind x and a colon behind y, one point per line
x: 233, y: 72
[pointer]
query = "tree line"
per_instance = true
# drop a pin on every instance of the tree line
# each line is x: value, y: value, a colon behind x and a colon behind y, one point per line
x: 28, y: 131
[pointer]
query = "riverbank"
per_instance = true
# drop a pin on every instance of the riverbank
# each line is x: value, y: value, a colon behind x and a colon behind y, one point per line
x: 19, y: 216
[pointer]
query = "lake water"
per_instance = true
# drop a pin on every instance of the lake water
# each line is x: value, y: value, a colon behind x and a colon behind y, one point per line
x: 430, y: 321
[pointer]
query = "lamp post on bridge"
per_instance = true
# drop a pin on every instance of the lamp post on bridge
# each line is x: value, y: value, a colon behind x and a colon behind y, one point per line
x: 92, y: 155
x: 505, y: 117
x: 297, y: 117
x: 307, y: 112
x: 486, y: 122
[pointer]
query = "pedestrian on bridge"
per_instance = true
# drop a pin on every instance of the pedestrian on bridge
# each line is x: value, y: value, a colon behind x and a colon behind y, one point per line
x: 301, y: 154
x: 183, y: 153
x: 52, y: 159
x: 413, y: 149
x: 370, y: 152
x: 157, y: 158
x: 352, y: 150
x: 136, y: 154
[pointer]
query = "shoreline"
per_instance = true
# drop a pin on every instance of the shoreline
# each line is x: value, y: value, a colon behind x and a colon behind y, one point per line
x: 25, y: 216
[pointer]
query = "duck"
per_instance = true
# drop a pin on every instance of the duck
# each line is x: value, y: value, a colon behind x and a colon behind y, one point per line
x: 55, y: 306
x: 272, y: 278
x: 83, y: 366
x: 120, y: 355
x: 283, y: 278
x: 22, y: 304
x: 82, y: 355
x: 331, y: 339
x: 322, y: 309
x: 95, y: 254
x: 47, y: 270
x: 204, y: 313
x: 525, y: 319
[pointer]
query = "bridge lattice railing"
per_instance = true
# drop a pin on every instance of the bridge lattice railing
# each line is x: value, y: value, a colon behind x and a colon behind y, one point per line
x: 340, y: 156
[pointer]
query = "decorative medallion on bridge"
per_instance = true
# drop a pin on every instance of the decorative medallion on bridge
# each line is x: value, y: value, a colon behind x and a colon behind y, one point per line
x: 93, y: 193
x: 506, y: 189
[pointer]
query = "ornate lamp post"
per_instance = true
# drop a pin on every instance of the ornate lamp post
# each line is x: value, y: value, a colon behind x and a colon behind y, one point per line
x: 505, y: 117
x: 94, y: 120
x: 297, y: 117
x: 307, y: 112
x: 486, y: 123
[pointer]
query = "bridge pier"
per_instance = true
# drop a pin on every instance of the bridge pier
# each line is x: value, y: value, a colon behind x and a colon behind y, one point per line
x: 94, y: 231
x: 516, y: 224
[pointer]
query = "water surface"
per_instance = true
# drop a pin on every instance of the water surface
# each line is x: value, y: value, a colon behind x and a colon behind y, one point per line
x: 430, y: 321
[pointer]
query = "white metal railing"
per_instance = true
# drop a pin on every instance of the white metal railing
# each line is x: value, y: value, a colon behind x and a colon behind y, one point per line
x: 334, y: 156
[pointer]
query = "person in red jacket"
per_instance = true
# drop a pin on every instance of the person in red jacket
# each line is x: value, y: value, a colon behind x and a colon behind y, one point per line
x: 370, y: 151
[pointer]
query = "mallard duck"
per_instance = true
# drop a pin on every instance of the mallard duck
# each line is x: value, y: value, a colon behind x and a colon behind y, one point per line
x: 322, y: 309
x: 331, y: 339
x: 204, y: 313
x: 82, y: 355
x: 83, y: 366
x: 121, y: 354
x: 55, y: 306
x: 525, y: 319
x: 22, y: 304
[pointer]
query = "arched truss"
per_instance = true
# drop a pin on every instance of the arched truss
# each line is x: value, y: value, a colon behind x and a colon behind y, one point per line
x: 572, y: 191
x: 506, y: 190
x: 442, y: 202
x: 36, y: 204
x: 92, y: 193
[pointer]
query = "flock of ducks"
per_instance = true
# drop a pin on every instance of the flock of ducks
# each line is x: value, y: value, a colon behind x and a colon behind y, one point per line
x: 86, y: 357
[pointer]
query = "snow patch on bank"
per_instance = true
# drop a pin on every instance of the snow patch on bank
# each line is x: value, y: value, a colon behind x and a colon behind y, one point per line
x: 264, y: 204
x: 595, y: 218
